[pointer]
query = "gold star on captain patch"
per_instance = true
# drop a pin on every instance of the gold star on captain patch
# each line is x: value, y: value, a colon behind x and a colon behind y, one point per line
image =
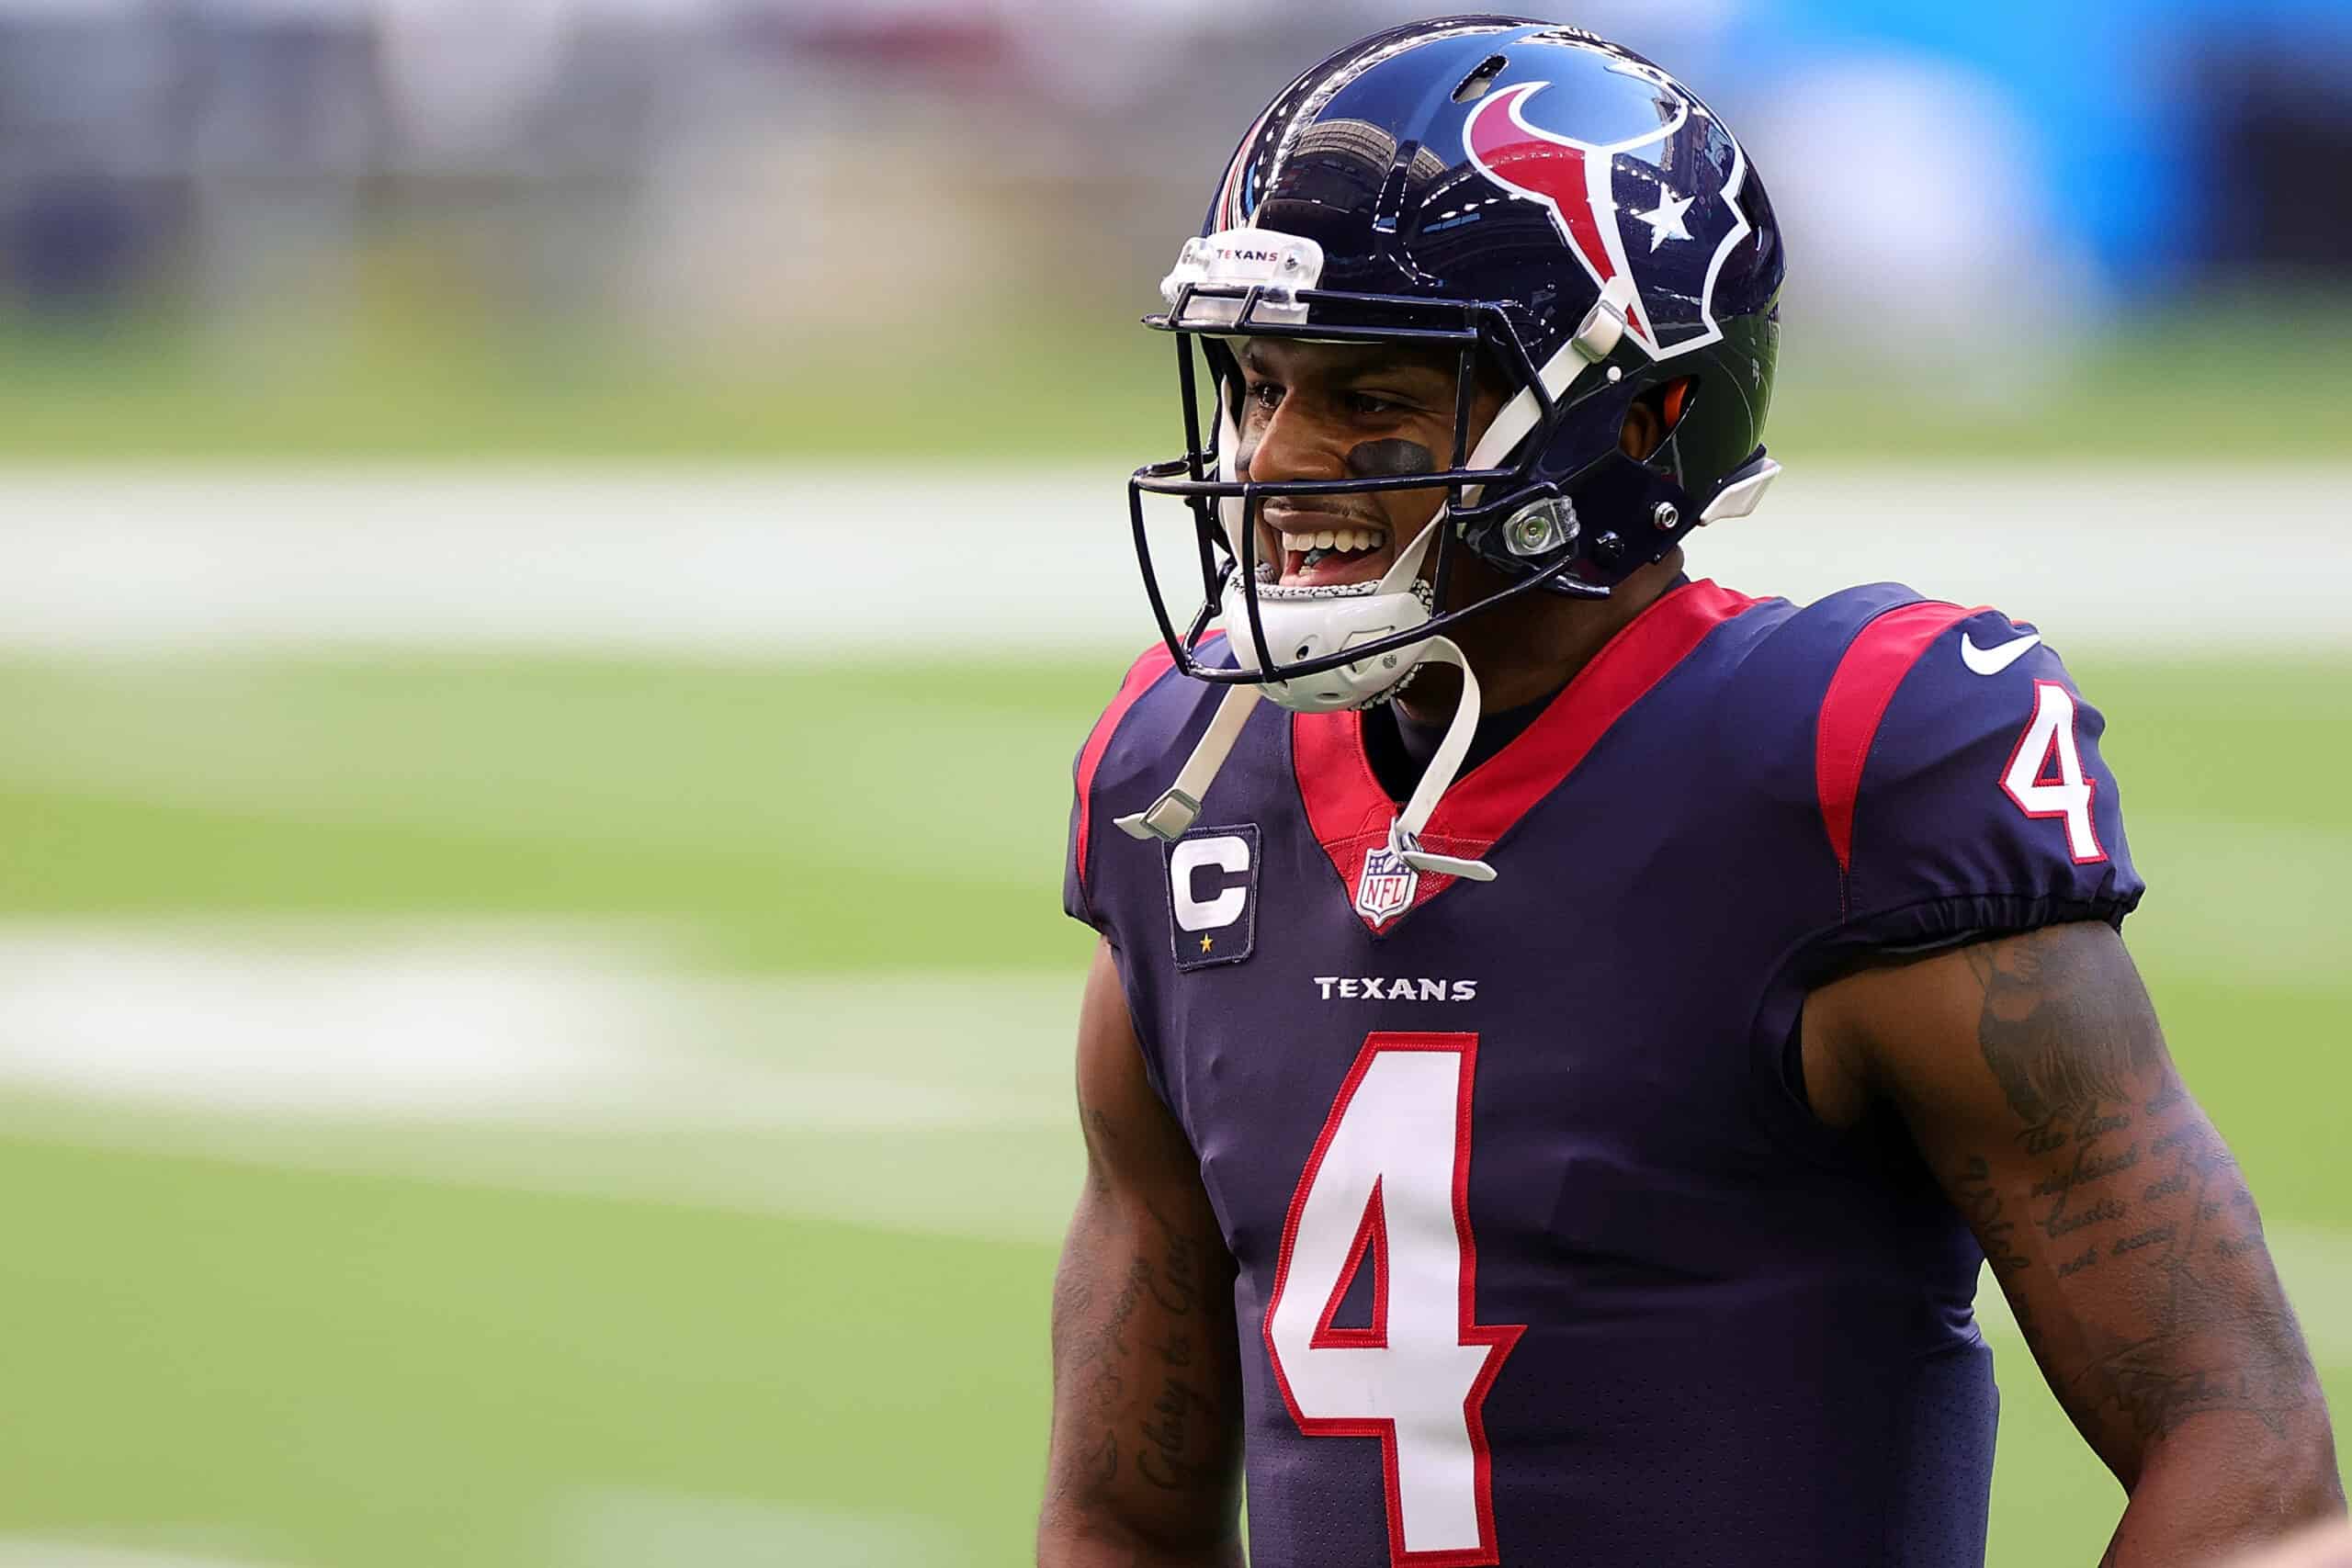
x: 1205, y: 943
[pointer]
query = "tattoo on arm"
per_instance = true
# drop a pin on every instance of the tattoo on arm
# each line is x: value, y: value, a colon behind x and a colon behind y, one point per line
x: 2057, y: 1058
x: 1143, y: 1369
x: 1173, y: 1426
x: 2126, y: 1173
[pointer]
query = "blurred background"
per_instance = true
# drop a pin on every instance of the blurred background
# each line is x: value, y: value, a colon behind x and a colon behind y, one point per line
x: 554, y: 555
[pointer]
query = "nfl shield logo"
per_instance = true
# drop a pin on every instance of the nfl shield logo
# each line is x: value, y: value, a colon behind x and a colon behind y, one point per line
x: 1386, y: 888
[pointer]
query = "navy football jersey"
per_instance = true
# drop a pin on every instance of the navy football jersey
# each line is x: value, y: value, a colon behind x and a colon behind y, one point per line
x: 1542, y: 1256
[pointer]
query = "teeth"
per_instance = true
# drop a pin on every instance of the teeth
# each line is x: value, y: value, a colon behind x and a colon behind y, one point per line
x: 1344, y: 540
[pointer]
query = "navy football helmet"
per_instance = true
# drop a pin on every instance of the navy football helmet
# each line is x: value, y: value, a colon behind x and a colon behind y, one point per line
x: 1562, y: 214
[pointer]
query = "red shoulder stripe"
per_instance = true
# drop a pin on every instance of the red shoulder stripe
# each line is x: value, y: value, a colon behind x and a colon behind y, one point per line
x: 1149, y: 667
x: 1874, y: 664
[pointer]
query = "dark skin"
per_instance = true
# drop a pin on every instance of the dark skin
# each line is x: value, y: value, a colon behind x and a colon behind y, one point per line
x: 1144, y: 1465
x: 2031, y: 1072
x: 2037, y: 1084
x: 1308, y: 407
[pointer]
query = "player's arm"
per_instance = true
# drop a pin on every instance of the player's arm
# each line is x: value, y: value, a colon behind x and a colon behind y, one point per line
x: 1143, y: 1469
x: 2037, y: 1087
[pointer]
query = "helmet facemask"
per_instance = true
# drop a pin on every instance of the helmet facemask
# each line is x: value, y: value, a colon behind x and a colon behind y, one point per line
x: 1325, y: 647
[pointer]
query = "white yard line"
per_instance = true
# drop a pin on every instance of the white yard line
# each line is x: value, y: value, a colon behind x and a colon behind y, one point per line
x: 569, y: 1060
x: 720, y: 560
x: 439, y: 1026
x: 559, y: 1060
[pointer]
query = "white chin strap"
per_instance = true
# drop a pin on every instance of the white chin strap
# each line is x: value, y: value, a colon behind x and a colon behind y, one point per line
x: 1403, y: 833
x: 1178, y: 805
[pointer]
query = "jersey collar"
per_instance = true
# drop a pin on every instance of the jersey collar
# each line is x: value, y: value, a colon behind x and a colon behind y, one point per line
x: 1349, y: 812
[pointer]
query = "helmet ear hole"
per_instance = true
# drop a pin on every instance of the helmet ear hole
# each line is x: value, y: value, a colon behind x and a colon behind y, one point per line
x: 1662, y: 407
x: 1678, y: 393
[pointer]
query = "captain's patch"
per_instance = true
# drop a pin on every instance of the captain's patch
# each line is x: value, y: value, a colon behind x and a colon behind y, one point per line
x: 1213, y: 896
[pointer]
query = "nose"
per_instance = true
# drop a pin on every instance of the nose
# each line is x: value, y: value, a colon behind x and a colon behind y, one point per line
x: 1291, y: 443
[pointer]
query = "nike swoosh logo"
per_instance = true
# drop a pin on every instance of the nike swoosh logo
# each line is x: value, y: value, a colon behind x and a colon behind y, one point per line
x: 1993, y: 660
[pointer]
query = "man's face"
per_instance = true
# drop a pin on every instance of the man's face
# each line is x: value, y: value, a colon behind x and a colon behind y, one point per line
x: 1318, y: 410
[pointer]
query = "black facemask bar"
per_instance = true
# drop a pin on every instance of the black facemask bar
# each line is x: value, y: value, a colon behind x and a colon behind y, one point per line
x: 1471, y: 327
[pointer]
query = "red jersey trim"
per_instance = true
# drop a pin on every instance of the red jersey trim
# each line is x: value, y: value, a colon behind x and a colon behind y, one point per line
x: 1856, y: 702
x: 1349, y: 812
x: 1146, y: 672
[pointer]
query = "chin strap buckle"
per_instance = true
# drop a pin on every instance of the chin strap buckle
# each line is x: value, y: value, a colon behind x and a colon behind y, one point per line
x: 1166, y: 818
x: 1409, y: 850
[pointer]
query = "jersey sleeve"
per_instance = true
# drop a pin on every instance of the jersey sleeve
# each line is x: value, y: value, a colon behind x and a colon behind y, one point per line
x: 1961, y: 786
x: 1087, y: 822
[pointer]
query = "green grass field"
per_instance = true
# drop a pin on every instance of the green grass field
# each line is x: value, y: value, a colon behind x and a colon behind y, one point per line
x: 767, y: 1303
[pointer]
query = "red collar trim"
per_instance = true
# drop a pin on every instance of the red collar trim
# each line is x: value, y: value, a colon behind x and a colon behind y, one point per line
x: 1349, y: 812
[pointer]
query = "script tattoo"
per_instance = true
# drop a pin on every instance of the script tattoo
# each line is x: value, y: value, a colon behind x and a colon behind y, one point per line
x: 1090, y: 1345
x: 1142, y: 1363
x: 2131, y: 1175
x: 1183, y: 1409
x: 1981, y: 1203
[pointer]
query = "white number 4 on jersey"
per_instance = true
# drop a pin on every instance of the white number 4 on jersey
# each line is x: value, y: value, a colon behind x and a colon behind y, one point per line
x: 2045, y: 772
x: 1387, y: 1189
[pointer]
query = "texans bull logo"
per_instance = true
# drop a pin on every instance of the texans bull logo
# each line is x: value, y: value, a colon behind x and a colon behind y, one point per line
x: 1683, y: 188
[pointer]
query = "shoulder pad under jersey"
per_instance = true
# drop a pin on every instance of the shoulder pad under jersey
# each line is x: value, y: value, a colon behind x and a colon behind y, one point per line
x: 1141, y: 738
x: 1950, y: 767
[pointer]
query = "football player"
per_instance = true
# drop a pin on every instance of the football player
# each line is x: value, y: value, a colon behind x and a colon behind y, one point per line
x: 1566, y: 1036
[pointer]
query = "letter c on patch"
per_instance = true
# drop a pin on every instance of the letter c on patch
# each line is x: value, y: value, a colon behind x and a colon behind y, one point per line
x: 1195, y: 855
